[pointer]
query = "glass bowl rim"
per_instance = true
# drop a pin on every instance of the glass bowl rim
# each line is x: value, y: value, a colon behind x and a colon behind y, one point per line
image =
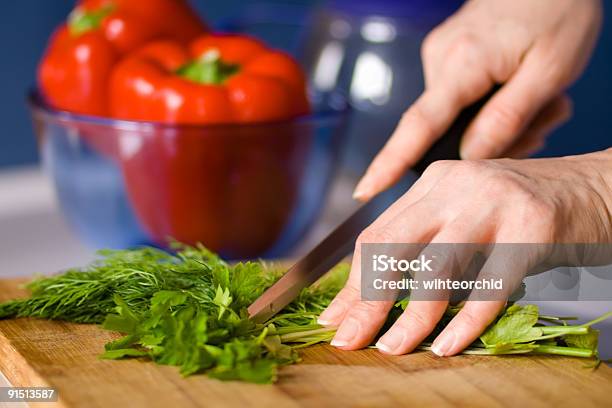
x: 38, y: 105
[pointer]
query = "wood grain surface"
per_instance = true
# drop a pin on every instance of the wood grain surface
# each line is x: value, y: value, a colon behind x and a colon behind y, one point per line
x: 64, y: 355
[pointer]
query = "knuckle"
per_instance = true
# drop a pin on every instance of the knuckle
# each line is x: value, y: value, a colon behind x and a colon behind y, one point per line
x: 430, y: 45
x: 506, y: 116
x: 470, y: 321
x: 375, y: 236
x: 465, y: 46
x: 442, y: 165
x: 499, y: 184
x: 454, y: 231
x: 389, y: 156
x: 349, y: 293
x: 437, y: 167
x: 411, y: 320
x: 367, y: 309
x: 553, y: 75
x: 418, y: 121
x: 467, y: 172
x: 346, y: 297
x: 537, y: 212
x: 531, y: 211
x: 469, y: 166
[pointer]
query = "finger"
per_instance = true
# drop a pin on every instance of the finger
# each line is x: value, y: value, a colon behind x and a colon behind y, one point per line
x: 505, y: 116
x: 336, y: 311
x: 484, y: 305
x: 360, y: 320
x: 349, y: 295
x: 555, y: 114
x: 470, y: 322
x: 424, y: 122
x: 412, y: 327
x: 427, y: 307
x: 421, y: 187
x: 528, y: 146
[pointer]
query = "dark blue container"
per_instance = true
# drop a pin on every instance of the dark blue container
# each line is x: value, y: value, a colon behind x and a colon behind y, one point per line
x: 370, y: 50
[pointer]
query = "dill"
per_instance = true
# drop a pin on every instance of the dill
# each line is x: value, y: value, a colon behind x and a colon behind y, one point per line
x: 189, y: 310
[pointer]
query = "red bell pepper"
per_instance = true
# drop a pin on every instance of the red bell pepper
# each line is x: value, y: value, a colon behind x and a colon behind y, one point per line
x: 220, y: 79
x: 74, y: 71
x: 231, y: 187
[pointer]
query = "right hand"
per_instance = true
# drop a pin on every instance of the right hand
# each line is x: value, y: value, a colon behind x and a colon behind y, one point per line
x: 535, y: 48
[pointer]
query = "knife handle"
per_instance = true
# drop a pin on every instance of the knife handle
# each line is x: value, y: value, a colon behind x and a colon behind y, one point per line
x: 447, y: 146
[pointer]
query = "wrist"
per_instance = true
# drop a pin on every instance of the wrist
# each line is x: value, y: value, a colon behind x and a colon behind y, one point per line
x: 604, y: 170
x: 595, y: 172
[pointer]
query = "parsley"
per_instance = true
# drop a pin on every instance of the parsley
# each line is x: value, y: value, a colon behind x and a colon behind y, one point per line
x: 189, y: 310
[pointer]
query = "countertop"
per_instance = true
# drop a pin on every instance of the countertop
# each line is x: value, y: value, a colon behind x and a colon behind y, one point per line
x: 34, y: 239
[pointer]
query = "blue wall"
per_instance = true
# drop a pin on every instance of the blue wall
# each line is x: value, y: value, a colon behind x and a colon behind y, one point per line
x: 591, y: 127
x: 26, y: 24
x: 24, y: 28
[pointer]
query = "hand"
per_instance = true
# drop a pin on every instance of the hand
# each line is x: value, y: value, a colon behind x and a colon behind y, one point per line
x: 535, y: 48
x: 506, y: 201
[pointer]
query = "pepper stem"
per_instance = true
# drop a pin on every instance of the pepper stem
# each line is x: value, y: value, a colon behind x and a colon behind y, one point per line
x: 209, y: 69
x: 81, y: 21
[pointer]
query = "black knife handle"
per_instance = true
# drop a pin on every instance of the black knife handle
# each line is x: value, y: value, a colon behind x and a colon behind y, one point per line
x: 447, y: 147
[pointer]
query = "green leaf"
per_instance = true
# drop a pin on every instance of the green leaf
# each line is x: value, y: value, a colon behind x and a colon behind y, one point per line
x: 122, y: 353
x: 516, y: 325
x: 189, y: 310
x: 125, y: 321
x: 589, y: 340
x: 223, y: 299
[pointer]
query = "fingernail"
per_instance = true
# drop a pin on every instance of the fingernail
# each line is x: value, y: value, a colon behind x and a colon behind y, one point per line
x: 331, y: 315
x: 347, y: 332
x: 443, y: 344
x: 390, y: 342
x: 358, y: 195
x: 361, y: 189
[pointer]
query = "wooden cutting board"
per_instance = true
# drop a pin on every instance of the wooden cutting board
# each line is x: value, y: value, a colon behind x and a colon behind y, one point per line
x: 64, y: 356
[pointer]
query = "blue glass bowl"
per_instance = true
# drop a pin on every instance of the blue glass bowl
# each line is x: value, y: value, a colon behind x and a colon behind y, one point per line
x: 242, y: 190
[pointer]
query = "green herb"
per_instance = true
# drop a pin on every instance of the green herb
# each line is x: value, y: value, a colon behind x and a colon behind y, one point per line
x: 189, y: 310
x: 516, y: 325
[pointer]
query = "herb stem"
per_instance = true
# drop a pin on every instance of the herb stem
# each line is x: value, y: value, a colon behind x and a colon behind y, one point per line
x: 561, y: 330
x: 565, y: 351
x: 599, y: 319
x: 296, y: 336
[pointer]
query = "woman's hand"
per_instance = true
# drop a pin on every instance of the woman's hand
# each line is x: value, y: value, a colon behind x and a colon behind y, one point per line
x: 535, y: 48
x: 497, y: 201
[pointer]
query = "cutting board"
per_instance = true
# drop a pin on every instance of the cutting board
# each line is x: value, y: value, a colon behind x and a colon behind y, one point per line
x: 64, y: 356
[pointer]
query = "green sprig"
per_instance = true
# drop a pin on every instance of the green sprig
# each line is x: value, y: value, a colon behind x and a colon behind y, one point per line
x: 189, y: 310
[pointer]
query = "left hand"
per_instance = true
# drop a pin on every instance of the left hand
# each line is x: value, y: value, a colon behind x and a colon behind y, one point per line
x: 496, y: 201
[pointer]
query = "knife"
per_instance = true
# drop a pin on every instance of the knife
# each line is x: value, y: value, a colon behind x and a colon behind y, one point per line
x: 340, y: 242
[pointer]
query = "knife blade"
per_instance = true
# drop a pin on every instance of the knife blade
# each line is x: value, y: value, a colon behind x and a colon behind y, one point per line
x: 340, y: 242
